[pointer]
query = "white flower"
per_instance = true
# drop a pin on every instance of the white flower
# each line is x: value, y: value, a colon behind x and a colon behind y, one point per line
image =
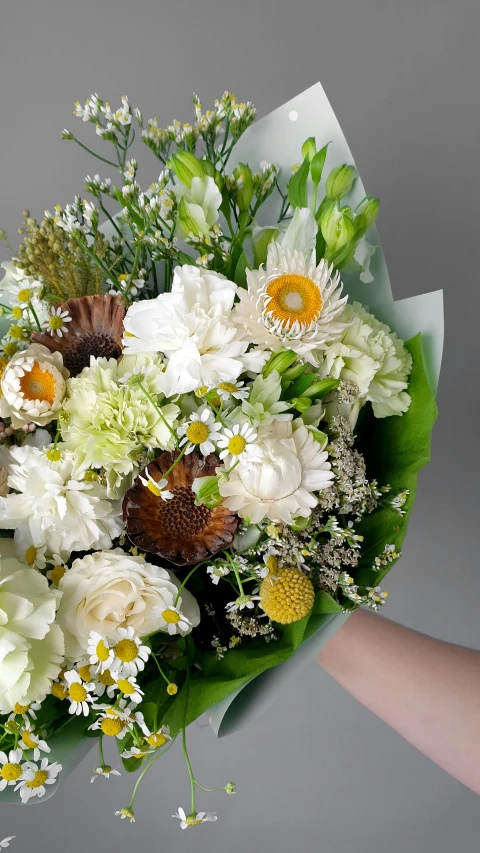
x: 35, y: 777
x: 175, y: 622
x: 111, y: 591
x: 217, y: 571
x: 281, y: 485
x: 29, y: 740
x: 226, y: 390
x: 292, y: 303
x: 126, y: 813
x: 117, y: 720
x: 31, y: 645
x: 192, y: 327
x: 193, y: 819
x: 55, y: 325
x: 28, y: 553
x: 105, y: 771
x: 14, y: 282
x: 200, y: 431
x: 243, y: 602
x: 6, y: 841
x: 371, y: 356
x: 11, y: 767
x: 238, y: 444
x: 79, y: 693
x: 129, y: 687
x: 54, y: 510
x: 100, y: 652
x: 199, y: 206
x: 156, y: 487
x: 135, y: 752
x: 130, y: 655
x: 33, y: 386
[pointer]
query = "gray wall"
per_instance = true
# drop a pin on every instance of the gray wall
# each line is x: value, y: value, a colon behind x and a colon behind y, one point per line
x: 319, y: 772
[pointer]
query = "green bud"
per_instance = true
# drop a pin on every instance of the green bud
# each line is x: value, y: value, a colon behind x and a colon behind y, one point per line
x: 340, y: 181
x: 337, y: 227
x: 301, y: 404
x: 186, y: 221
x: 322, y: 387
x: 186, y: 167
x: 300, y: 523
x: 206, y: 490
x: 293, y: 372
x: 309, y: 148
x: 370, y: 211
x: 212, y: 172
x: 244, y: 195
x: 279, y: 361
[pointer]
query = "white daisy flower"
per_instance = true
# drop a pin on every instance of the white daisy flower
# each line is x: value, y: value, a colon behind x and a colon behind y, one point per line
x: 157, y: 488
x: 30, y: 554
x: 129, y: 688
x: 193, y: 819
x: 55, y: 325
x: 24, y: 291
x: 241, y: 603
x: 175, y: 622
x: 158, y: 738
x: 106, y: 771
x: 226, y: 390
x: 200, y: 431
x: 11, y: 767
x: 217, y: 572
x: 101, y: 655
x: 126, y: 813
x: 293, y: 303
x: 135, y: 752
x: 130, y: 656
x: 34, y: 778
x: 104, y: 682
x: 6, y: 841
x: 29, y: 740
x: 79, y: 693
x: 238, y: 444
x: 116, y: 721
x: 25, y: 711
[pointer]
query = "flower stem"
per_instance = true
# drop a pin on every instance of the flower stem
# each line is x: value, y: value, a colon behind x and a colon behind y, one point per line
x: 235, y: 572
x: 184, y: 735
x: 191, y: 572
x: 160, y: 669
x: 177, y: 460
x: 108, y: 162
x: 142, y: 774
x: 35, y: 316
x: 159, y: 412
x: 100, y: 750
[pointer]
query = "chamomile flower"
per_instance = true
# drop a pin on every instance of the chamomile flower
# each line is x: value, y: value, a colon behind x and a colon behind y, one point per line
x: 56, y: 573
x: 29, y: 740
x: 104, y: 771
x: 158, y: 738
x: 135, y: 752
x: 30, y: 554
x: 217, y: 571
x: 11, y: 767
x: 116, y: 721
x: 25, y: 711
x: 104, y: 682
x: 238, y: 443
x: 34, y: 778
x: 241, y: 603
x: 193, y: 819
x: 101, y: 655
x: 375, y: 598
x: 130, y: 656
x: 79, y: 693
x: 129, y: 688
x: 175, y: 621
x: 157, y: 488
x: 126, y: 813
x: 200, y: 431
x: 226, y: 390
x: 56, y: 322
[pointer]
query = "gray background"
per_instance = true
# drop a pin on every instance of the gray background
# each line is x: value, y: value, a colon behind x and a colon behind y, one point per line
x: 318, y: 772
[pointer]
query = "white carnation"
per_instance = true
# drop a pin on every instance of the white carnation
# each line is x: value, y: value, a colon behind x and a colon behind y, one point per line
x: 31, y: 644
x: 54, y: 510
x: 109, y: 590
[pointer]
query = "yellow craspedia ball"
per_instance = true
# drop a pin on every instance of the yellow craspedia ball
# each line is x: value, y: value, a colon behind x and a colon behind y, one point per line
x: 287, y: 596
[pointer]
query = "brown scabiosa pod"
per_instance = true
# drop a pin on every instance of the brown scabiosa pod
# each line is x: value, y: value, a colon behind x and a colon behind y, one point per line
x: 177, y: 529
x: 96, y: 329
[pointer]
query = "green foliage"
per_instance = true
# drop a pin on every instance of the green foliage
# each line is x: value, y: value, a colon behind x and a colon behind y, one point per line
x: 298, y: 186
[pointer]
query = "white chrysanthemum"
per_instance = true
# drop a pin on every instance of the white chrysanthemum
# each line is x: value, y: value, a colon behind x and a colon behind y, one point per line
x: 33, y: 386
x: 371, y: 356
x: 192, y: 327
x: 31, y: 644
x: 291, y: 303
x: 54, y: 510
x: 108, y: 420
x: 281, y: 485
x: 111, y: 591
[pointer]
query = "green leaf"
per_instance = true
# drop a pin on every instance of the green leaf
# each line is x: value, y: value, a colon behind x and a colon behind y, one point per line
x: 240, y: 276
x: 297, y: 186
x: 317, y: 164
x: 261, y: 244
x: 309, y: 148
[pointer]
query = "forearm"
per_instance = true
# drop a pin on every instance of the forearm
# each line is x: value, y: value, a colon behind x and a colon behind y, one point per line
x: 427, y: 690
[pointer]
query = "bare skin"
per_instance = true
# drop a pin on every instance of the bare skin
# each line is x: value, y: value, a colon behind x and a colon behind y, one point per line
x: 425, y: 689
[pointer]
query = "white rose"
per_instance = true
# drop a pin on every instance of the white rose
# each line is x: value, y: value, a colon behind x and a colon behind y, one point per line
x: 31, y: 644
x: 33, y: 386
x: 109, y: 590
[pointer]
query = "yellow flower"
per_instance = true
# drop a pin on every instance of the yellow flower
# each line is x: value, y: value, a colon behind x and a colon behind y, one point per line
x: 288, y: 596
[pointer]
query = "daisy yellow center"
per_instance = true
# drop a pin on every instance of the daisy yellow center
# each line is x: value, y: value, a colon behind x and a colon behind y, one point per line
x: 10, y: 772
x: 31, y: 555
x: 38, y: 384
x: 287, y: 597
x: 38, y: 780
x: 111, y: 727
x: 200, y: 392
x: 125, y: 686
x: 10, y: 349
x: 293, y: 298
x: 77, y: 692
x: 17, y: 312
x: 102, y: 652
x: 20, y: 709
x: 58, y: 690
x: 84, y: 672
x: 53, y: 455
x: 197, y: 432
x: 15, y: 332
x: 57, y: 574
x: 229, y: 387
x: 24, y: 295
x: 55, y: 322
x: 171, y: 616
x: 126, y: 650
x: 157, y: 739
x: 153, y: 488
x: 138, y: 755
x: 192, y: 821
x: 106, y: 678
x: 237, y: 445
x: 28, y: 739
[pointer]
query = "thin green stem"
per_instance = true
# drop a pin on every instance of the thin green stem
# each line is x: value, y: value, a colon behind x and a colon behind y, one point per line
x: 138, y: 249
x: 100, y: 751
x: 160, y: 668
x: 159, y: 412
x: 233, y: 467
x: 142, y: 774
x: 176, y: 461
x: 235, y: 572
x: 35, y: 316
x: 8, y: 307
x: 183, y: 583
x: 90, y: 254
x: 103, y: 159
x: 218, y: 414
x: 184, y: 735
x: 117, y: 229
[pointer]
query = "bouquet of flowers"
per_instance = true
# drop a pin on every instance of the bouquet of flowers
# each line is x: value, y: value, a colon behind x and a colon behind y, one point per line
x: 209, y: 443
